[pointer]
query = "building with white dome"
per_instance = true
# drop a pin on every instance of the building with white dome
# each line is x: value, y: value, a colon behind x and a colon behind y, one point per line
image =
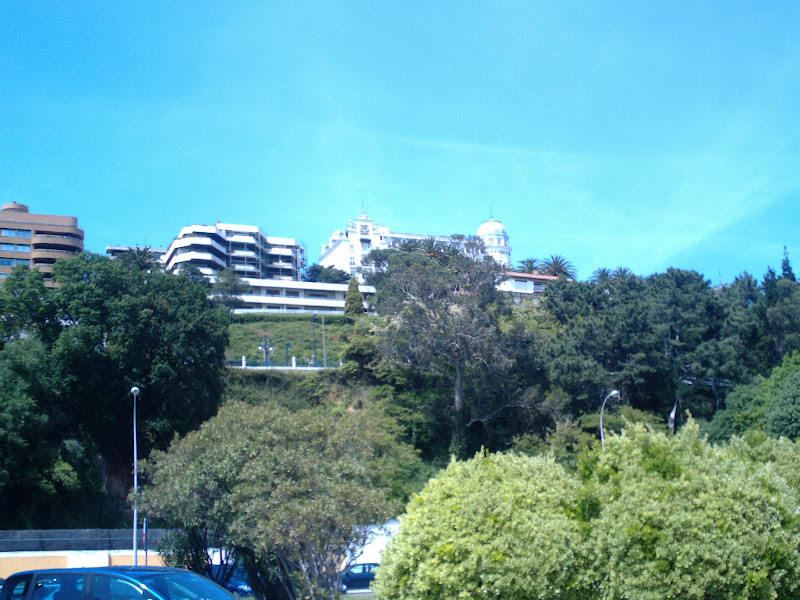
x: 495, y: 239
x: 346, y: 248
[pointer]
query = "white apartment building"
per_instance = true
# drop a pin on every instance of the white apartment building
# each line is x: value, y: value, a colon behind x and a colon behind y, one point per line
x: 347, y: 247
x: 243, y: 248
x: 276, y: 295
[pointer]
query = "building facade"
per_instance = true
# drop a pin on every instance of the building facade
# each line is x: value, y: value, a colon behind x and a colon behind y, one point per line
x: 524, y: 286
x: 346, y: 248
x: 242, y: 248
x: 36, y: 240
x: 281, y: 296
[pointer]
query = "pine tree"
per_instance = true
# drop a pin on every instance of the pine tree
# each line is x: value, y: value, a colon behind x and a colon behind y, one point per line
x: 353, y: 301
x: 786, y: 267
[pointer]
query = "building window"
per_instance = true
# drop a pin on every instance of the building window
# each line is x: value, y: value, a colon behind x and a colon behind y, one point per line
x: 292, y: 294
x: 365, y: 246
x: 318, y: 296
x: 15, y: 247
x: 352, y: 261
x: 16, y: 233
x: 364, y: 229
x: 10, y: 262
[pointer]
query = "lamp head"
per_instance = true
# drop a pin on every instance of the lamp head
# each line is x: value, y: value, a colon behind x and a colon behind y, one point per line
x: 135, y: 391
x: 614, y: 394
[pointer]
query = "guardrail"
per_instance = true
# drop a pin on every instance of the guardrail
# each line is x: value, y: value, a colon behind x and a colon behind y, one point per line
x: 237, y: 364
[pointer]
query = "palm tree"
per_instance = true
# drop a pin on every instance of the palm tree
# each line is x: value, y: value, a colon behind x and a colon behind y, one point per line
x: 529, y: 265
x: 558, y: 266
x: 406, y: 245
x: 622, y: 273
x: 601, y: 275
x: 141, y: 258
x: 433, y: 250
x: 452, y: 250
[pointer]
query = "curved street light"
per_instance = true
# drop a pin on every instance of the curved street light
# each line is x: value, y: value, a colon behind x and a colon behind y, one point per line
x: 135, y: 392
x: 611, y: 394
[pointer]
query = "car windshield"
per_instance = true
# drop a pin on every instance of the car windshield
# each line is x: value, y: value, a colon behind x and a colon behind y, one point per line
x: 185, y: 586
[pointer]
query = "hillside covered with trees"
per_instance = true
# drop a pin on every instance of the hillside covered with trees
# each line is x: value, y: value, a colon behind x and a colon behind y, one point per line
x: 449, y: 367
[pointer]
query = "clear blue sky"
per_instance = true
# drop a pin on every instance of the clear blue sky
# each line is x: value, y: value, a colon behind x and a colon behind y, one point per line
x: 613, y: 133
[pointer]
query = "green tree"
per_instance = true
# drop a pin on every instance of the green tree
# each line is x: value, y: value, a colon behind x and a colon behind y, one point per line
x: 622, y: 273
x: 654, y: 516
x: 601, y: 275
x: 786, y: 267
x: 28, y: 307
x: 294, y: 492
x: 72, y: 355
x: 604, y: 340
x: 125, y: 327
x: 353, y: 300
x: 495, y: 526
x: 406, y: 245
x: 228, y: 289
x: 558, y: 266
x: 444, y: 320
x: 779, y: 318
x: 194, y: 275
x: 322, y: 274
x: 434, y: 250
x: 529, y: 265
x: 45, y: 474
x: 764, y: 404
x: 676, y: 517
x: 141, y: 258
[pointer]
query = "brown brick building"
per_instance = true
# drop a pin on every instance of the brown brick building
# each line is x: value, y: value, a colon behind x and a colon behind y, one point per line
x: 36, y: 240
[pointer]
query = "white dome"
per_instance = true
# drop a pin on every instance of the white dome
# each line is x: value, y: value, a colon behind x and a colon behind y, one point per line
x: 492, y: 227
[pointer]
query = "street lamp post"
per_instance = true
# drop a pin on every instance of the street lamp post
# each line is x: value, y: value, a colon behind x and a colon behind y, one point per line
x: 266, y: 348
x: 135, y: 392
x: 611, y: 394
x: 314, y: 327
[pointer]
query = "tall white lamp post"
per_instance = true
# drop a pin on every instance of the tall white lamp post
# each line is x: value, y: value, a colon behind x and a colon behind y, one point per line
x: 611, y: 394
x: 135, y: 392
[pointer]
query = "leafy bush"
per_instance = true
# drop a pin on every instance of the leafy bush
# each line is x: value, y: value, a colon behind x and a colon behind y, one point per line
x: 653, y: 517
x: 496, y: 526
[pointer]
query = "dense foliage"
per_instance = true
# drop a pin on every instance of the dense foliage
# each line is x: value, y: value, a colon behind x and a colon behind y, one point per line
x: 353, y: 300
x: 320, y: 274
x: 496, y: 526
x: 449, y: 366
x: 444, y: 319
x: 769, y: 404
x: 70, y: 356
x: 287, y: 493
x: 653, y: 517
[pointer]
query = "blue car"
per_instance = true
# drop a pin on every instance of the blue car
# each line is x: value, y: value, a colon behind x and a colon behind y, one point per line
x: 358, y: 577
x: 112, y: 583
x: 237, y: 583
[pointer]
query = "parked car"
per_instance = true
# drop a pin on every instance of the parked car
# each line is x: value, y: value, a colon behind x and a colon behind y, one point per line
x: 357, y: 577
x: 112, y: 583
x: 237, y: 584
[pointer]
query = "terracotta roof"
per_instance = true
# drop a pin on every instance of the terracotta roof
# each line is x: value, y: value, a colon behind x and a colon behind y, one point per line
x: 515, y: 275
